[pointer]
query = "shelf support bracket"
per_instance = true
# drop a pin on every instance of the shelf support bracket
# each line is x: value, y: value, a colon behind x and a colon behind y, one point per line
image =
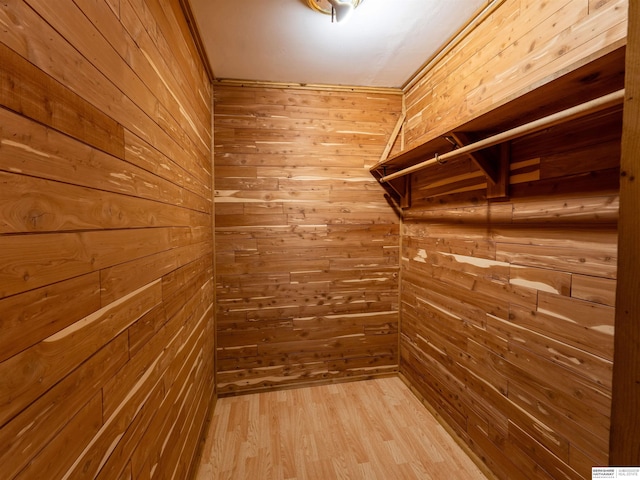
x: 480, y: 158
x: 496, y: 171
x: 500, y: 189
x: 401, y: 188
x: 393, y: 138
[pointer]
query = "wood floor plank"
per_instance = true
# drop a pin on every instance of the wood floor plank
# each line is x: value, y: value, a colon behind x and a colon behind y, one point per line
x: 361, y: 430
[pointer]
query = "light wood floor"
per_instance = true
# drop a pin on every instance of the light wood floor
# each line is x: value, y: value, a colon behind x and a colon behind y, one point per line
x: 374, y: 429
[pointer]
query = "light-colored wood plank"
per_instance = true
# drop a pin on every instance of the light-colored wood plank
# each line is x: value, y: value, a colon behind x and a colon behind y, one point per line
x: 92, y: 85
x: 377, y: 427
x: 32, y: 261
x: 33, y: 149
x: 586, y: 261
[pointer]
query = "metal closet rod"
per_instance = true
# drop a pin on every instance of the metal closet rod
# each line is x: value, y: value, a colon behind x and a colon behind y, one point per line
x: 572, y: 113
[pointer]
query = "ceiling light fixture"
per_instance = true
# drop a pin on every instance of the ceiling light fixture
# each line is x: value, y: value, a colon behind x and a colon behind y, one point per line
x: 341, y: 10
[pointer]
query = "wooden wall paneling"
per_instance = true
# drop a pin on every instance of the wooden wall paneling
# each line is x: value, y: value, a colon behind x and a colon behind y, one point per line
x: 593, y: 261
x: 123, y: 278
x: 594, y: 398
x: 180, y: 73
x: 137, y: 83
x: 150, y: 86
x: 38, y: 151
x: 77, y: 341
x: 32, y: 430
x: 541, y: 279
x: 185, y: 410
x: 440, y: 390
x: 506, y: 308
x: 106, y: 293
x: 545, y: 462
x: 118, y: 461
x: 306, y: 276
x: 496, y: 438
x: 31, y: 93
x: 184, y: 72
x: 148, y: 452
x: 33, y: 316
x: 140, y: 153
x: 439, y: 184
x: 94, y: 86
x: 581, y: 33
x: 34, y: 261
x: 484, y: 68
x: 502, y: 19
x: 587, y: 364
x: 530, y: 314
x: 172, y: 23
x: 601, y: 209
x: 151, y: 359
x: 68, y: 444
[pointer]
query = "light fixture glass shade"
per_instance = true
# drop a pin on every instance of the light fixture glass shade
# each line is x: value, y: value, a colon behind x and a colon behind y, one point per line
x: 341, y: 8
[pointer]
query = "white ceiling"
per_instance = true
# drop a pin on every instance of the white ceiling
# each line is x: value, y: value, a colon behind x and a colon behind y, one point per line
x: 383, y: 44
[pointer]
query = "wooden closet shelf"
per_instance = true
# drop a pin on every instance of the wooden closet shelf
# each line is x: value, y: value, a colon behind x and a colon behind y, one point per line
x: 596, y: 85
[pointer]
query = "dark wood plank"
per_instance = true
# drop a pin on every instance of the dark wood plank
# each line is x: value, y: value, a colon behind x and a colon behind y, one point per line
x: 625, y: 444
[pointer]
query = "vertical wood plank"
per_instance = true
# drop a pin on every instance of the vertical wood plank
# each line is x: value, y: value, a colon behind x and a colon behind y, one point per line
x: 625, y: 410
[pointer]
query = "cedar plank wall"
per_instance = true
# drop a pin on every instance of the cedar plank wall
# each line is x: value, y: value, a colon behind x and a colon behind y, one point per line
x: 519, y: 46
x: 307, y: 249
x: 106, y: 260
x: 507, y: 308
